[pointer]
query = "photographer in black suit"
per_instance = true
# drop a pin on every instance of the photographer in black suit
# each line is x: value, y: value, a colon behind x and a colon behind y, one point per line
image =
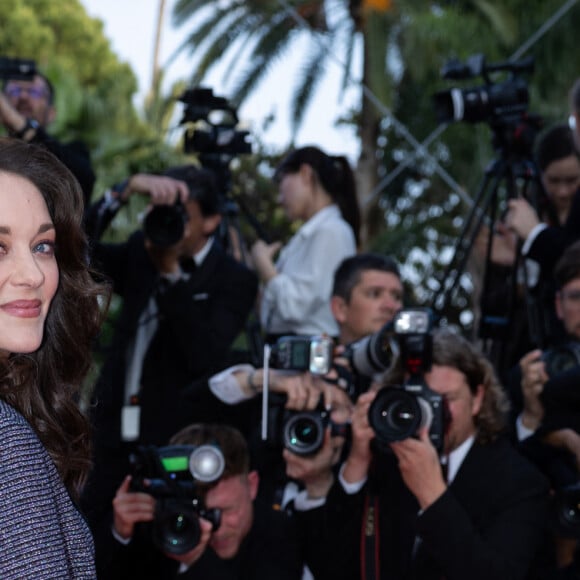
x: 252, y: 541
x: 537, y: 367
x: 184, y: 302
x: 483, y: 519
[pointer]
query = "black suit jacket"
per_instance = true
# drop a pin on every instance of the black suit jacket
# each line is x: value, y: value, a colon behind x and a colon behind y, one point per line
x: 199, y: 319
x: 488, y: 524
x: 551, y: 242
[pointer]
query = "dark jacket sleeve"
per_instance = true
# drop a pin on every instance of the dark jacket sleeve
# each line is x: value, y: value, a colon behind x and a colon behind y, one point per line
x: 499, y: 541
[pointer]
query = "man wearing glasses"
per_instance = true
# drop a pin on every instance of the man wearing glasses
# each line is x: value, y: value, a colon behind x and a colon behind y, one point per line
x: 27, y: 109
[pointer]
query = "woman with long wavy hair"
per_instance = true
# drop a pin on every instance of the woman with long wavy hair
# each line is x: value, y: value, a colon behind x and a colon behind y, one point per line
x: 50, y: 313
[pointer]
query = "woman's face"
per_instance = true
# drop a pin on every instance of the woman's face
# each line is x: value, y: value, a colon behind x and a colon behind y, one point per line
x: 296, y: 195
x: 28, y: 268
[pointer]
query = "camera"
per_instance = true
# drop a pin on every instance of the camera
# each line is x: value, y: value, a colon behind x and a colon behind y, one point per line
x: 20, y: 69
x: 303, y: 353
x: 376, y: 352
x: 561, y: 358
x: 491, y: 101
x: 164, y: 225
x: 220, y: 135
x: 566, y: 510
x: 400, y: 411
x: 301, y: 432
x: 171, y: 475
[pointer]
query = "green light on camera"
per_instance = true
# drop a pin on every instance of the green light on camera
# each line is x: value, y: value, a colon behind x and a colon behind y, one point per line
x: 173, y: 464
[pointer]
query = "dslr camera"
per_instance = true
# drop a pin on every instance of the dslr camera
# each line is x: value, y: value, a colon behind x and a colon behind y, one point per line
x: 302, y: 432
x: 171, y: 475
x: 164, y: 225
x: 400, y: 411
x: 561, y: 358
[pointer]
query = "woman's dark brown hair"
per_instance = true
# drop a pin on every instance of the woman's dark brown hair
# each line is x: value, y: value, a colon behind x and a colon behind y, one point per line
x: 44, y: 385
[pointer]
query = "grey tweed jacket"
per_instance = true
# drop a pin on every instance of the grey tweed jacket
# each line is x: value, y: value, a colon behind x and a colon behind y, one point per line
x: 42, y: 534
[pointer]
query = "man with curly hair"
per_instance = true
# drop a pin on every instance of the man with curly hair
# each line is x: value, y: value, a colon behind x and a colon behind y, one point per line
x: 473, y: 509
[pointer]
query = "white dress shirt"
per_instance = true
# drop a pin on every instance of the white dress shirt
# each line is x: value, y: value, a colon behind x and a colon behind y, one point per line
x: 297, y: 299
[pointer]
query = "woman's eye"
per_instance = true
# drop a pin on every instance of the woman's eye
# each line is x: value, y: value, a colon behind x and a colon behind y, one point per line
x: 46, y: 247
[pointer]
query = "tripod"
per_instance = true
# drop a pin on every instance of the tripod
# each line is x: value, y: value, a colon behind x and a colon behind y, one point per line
x: 509, y: 175
x: 231, y: 238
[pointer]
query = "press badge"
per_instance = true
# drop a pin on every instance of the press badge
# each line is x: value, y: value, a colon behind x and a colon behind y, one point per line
x: 130, y: 422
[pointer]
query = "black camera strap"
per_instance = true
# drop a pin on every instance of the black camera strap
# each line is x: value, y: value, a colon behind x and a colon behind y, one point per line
x: 369, y: 547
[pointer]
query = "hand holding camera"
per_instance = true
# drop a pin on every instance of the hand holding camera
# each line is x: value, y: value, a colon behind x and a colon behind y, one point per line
x: 420, y: 467
x: 130, y: 508
x: 360, y: 456
x: 534, y: 377
x: 171, y: 476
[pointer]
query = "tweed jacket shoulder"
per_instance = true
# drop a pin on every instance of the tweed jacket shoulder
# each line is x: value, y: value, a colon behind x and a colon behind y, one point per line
x: 42, y: 534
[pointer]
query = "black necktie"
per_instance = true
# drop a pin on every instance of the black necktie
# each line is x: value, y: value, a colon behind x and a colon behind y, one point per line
x: 188, y: 265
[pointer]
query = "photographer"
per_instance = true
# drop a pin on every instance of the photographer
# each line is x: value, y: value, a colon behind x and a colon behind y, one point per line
x: 538, y: 367
x: 184, y: 302
x: 252, y: 541
x: 27, y: 109
x: 546, y: 243
x: 482, y: 520
x: 367, y: 292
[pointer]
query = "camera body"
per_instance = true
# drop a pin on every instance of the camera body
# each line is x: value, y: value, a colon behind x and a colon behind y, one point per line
x: 302, y: 432
x: 561, y: 358
x: 164, y: 225
x: 400, y: 411
x: 303, y: 353
x: 171, y: 474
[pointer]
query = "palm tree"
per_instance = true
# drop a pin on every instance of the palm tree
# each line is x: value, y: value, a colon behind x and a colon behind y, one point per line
x: 256, y: 34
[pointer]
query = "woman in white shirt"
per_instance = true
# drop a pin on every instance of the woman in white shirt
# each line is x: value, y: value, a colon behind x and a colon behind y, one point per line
x: 318, y: 189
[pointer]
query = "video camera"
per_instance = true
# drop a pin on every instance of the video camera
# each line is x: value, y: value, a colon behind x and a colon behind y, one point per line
x: 211, y: 131
x: 400, y: 411
x: 17, y: 69
x: 171, y: 474
x: 220, y: 135
x: 489, y: 102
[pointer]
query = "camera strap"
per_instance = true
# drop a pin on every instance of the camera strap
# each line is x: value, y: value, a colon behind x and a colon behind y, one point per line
x: 369, y: 546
